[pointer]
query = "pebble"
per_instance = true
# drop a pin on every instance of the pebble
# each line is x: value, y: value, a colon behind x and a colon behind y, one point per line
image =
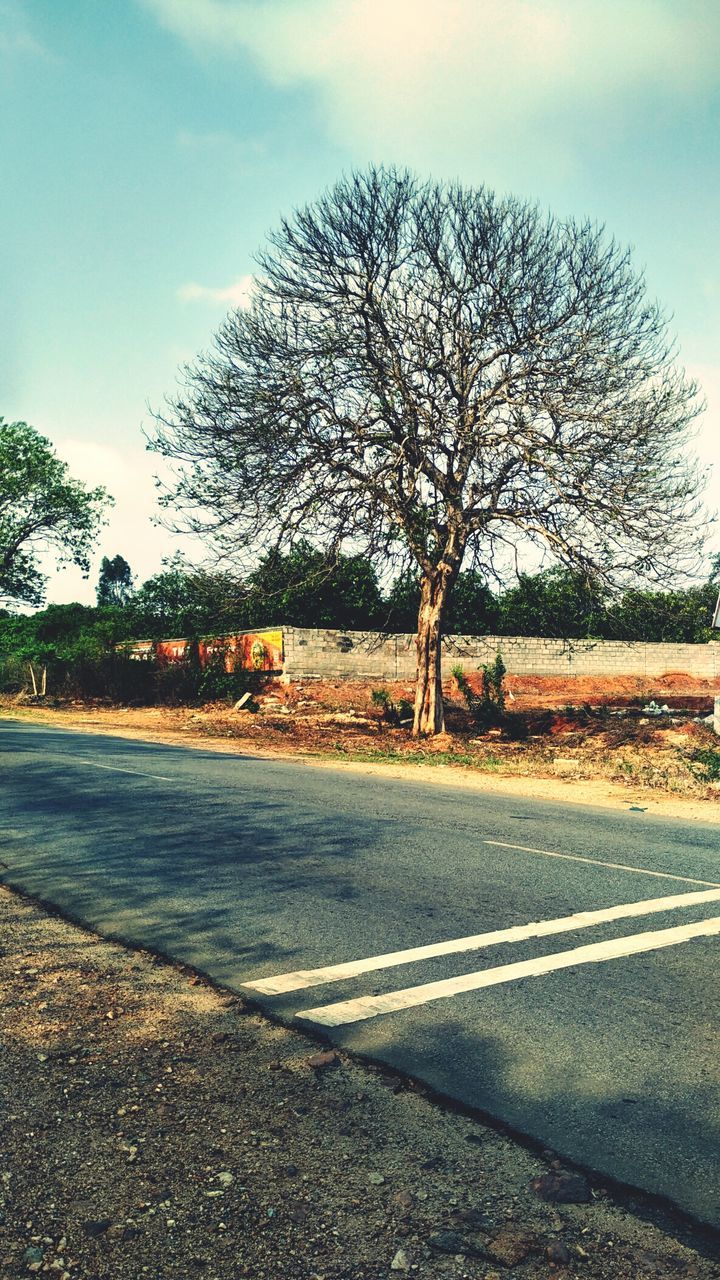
x: 433, y: 1162
x: 558, y: 1254
x: 321, y: 1061
x: 400, y: 1262
x: 453, y: 1242
x: 561, y: 1188
x: 513, y: 1245
x: 376, y: 1179
x: 96, y: 1226
x: 472, y: 1218
x: 403, y: 1199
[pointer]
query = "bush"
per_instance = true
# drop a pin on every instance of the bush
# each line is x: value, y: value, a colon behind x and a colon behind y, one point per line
x: 187, y: 683
x: 14, y: 675
x: 487, y: 709
x: 493, y: 690
x: 216, y: 684
x: 86, y: 670
x: 393, y: 714
x: 705, y: 764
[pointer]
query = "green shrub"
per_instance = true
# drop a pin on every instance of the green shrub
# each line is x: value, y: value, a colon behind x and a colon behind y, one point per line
x: 493, y: 691
x: 216, y: 684
x: 487, y: 709
x: 14, y: 675
x: 705, y: 764
x: 393, y: 714
x: 187, y: 683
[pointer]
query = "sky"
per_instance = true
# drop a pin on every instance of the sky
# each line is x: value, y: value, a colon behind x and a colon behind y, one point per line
x: 147, y: 147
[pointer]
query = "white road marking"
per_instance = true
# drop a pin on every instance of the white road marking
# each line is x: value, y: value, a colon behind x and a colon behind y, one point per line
x: 596, y: 862
x: 115, y: 768
x: 302, y: 978
x: 335, y: 1015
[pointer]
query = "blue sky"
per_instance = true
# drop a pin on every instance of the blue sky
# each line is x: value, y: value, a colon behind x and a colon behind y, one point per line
x: 147, y: 146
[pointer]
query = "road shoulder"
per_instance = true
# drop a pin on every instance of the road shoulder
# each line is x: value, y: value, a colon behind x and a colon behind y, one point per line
x: 156, y: 1120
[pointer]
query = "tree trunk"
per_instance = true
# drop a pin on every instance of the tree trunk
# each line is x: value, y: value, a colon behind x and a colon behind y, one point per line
x: 429, y: 709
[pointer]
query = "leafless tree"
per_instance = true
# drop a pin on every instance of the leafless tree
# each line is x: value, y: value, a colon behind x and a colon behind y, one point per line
x: 435, y: 372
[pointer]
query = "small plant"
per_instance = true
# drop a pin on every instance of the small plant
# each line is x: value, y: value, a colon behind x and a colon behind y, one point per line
x: 487, y: 709
x: 217, y: 684
x: 705, y: 764
x: 493, y: 675
x: 393, y: 714
x: 381, y: 698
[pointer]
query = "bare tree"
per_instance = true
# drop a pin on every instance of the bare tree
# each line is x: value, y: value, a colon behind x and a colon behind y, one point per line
x: 434, y: 372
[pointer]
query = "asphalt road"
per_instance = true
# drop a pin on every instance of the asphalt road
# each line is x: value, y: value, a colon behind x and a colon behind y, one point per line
x: 254, y: 869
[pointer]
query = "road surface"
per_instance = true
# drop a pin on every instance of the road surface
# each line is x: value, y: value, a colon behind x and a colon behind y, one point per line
x: 552, y: 966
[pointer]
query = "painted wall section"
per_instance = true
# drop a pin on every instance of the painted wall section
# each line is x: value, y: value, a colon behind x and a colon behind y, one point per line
x: 251, y: 651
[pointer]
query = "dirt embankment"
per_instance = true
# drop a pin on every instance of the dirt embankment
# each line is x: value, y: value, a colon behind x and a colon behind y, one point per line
x: 156, y: 1127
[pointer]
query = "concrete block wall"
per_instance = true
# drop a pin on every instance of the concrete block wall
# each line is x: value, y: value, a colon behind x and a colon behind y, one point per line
x: 332, y: 654
x: 535, y: 655
x: 347, y: 655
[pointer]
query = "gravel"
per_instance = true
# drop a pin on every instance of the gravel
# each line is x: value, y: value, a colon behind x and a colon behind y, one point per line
x: 155, y: 1126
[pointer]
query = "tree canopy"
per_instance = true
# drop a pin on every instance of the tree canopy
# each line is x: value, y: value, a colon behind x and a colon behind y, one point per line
x: 41, y: 509
x: 185, y: 601
x: 78, y: 642
x: 115, y: 583
x: 306, y: 588
x: 436, y: 374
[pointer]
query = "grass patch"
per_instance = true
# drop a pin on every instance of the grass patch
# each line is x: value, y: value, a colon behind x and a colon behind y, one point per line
x: 704, y: 764
x: 484, y: 763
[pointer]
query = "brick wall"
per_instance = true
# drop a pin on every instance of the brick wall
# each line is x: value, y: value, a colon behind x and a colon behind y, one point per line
x: 371, y: 655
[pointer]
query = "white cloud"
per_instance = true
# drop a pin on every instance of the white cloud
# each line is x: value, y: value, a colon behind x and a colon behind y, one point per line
x: 15, y: 35
x: 407, y: 76
x: 221, y: 142
x: 238, y: 294
x: 128, y: 475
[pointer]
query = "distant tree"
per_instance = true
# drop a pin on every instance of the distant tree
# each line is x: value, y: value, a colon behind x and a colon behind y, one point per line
x: 115, y: 584
x: 472, y: 608
x: 402, y: 603
x: 309, y: 589
x: 434, y: 373
x: 664, y: 616
x: 184, y: 601
x: 61, y: 631
x: 42, y: 509
x: 555, y: 602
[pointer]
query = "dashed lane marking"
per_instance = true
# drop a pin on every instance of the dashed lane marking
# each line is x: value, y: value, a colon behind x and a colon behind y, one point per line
x: 344, y: 1011
x: 115, y: 768
x: 596, y: 862
x: 301, y: 978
